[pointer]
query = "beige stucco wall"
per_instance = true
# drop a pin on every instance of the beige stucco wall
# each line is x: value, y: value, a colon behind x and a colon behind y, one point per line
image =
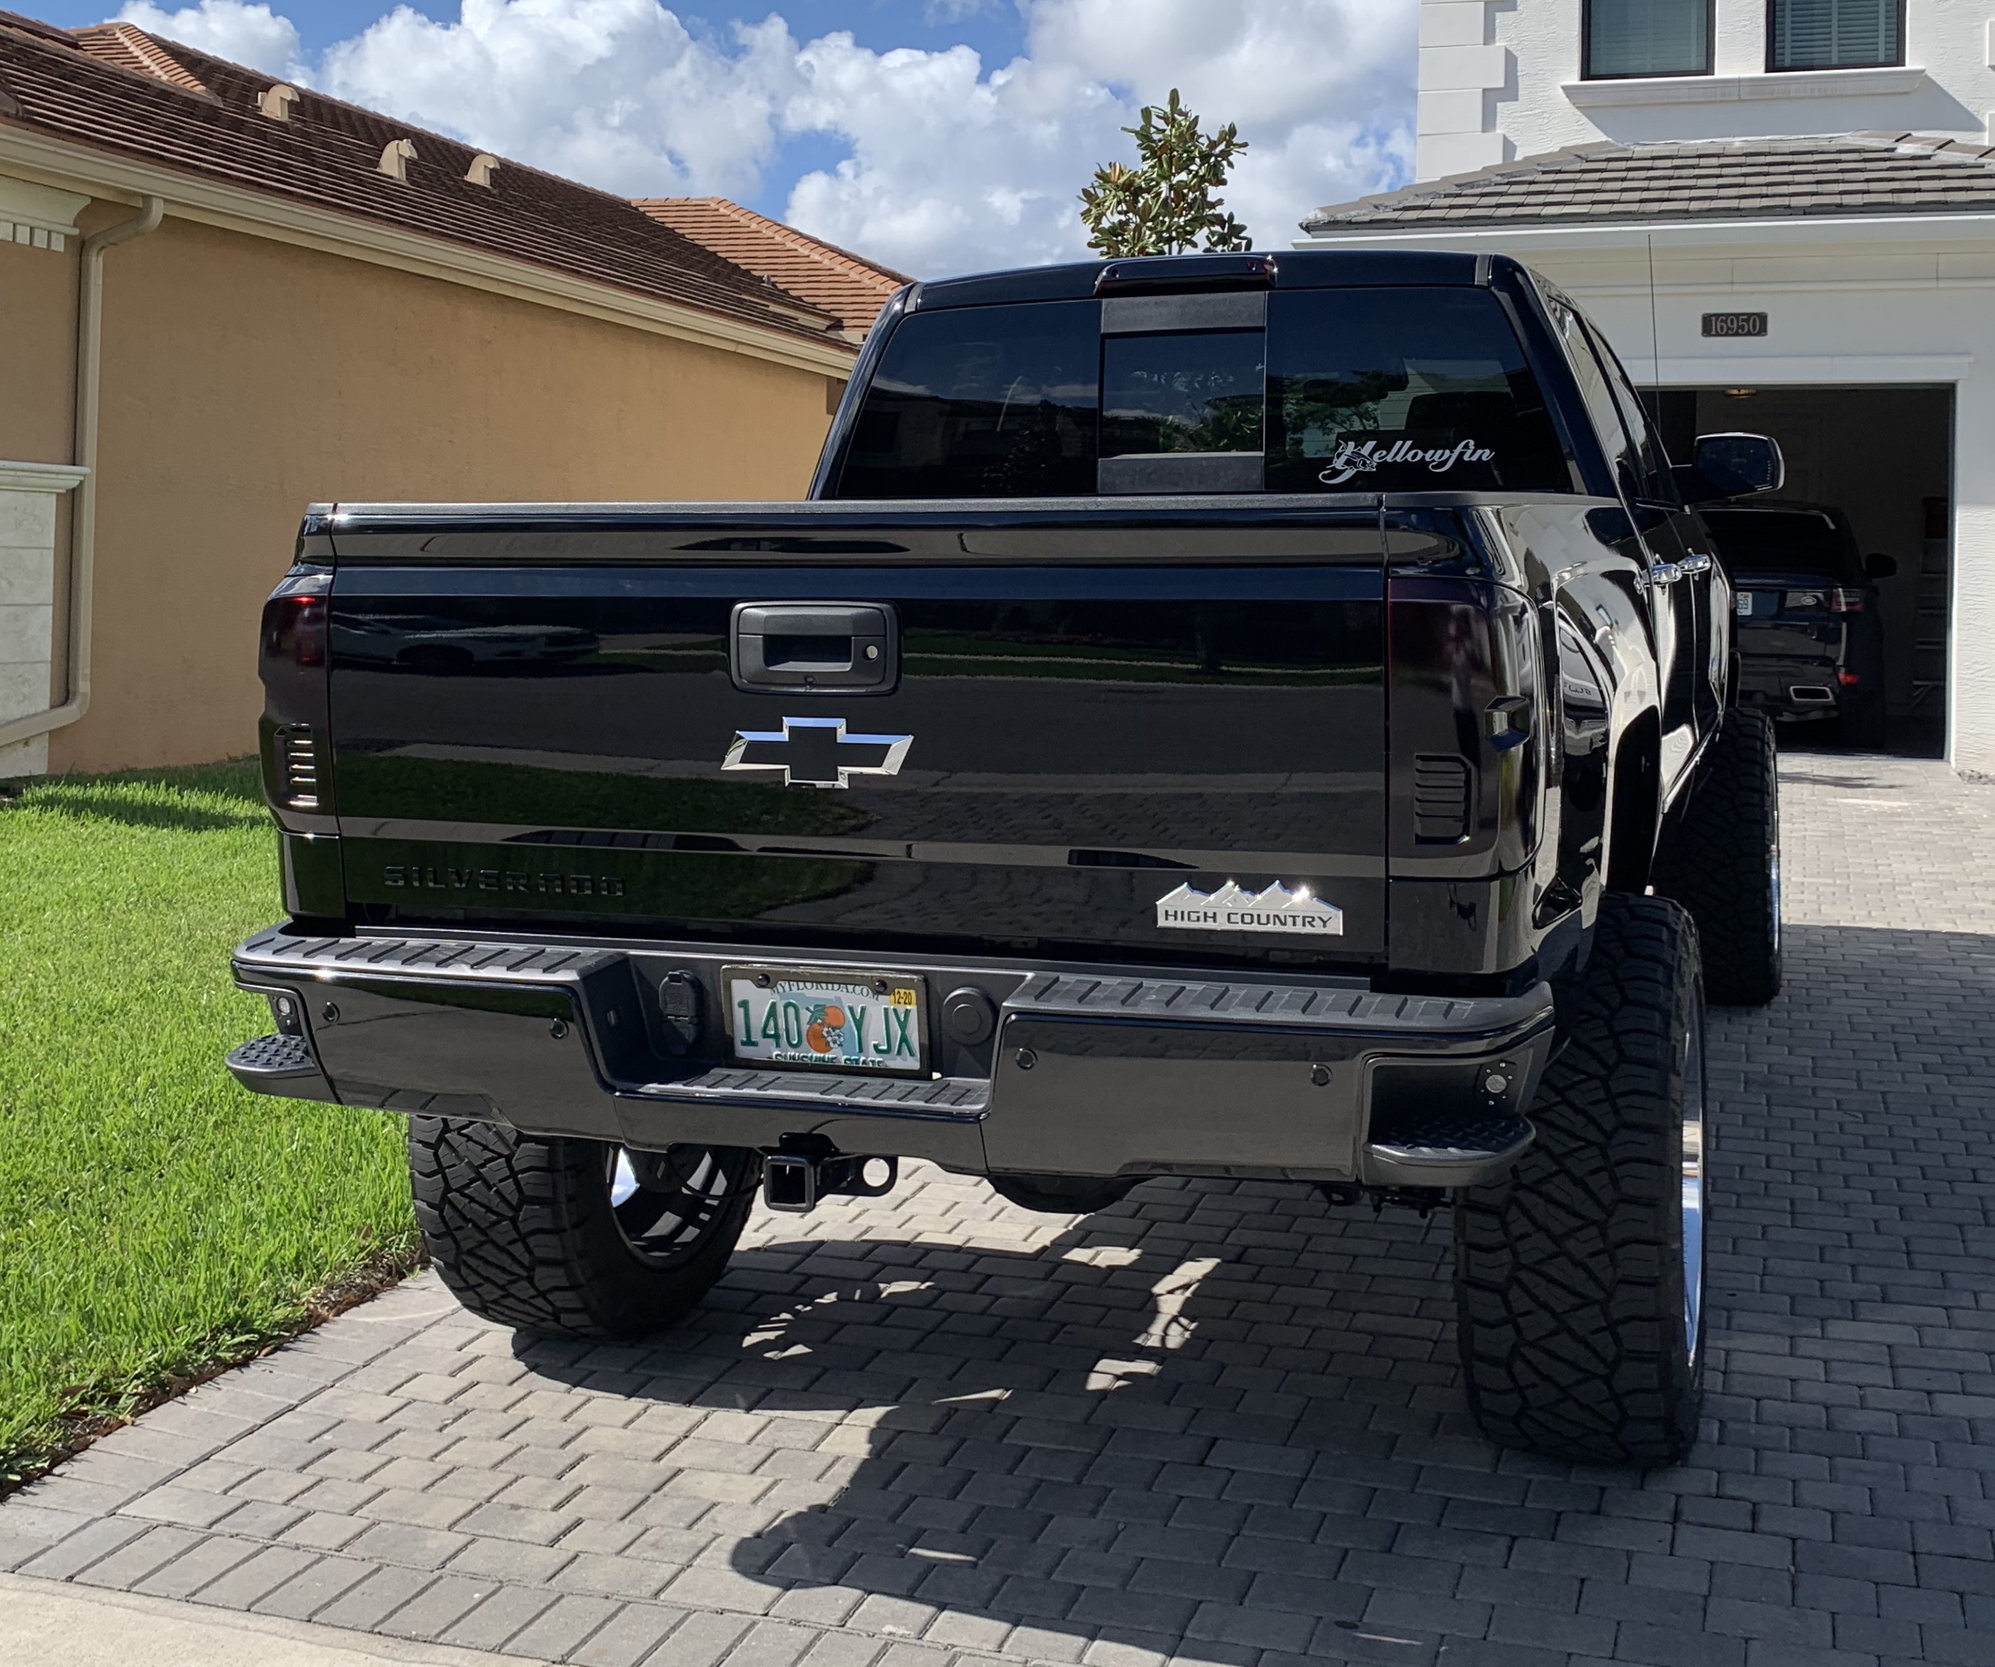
x: 37, y: 375
x: 37, y: 351
x: 244, y: 378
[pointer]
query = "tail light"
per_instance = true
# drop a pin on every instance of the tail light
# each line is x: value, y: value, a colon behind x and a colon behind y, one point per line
x: 298, y: 766
x: 294, y: 665
x: 1467, y: 720
x: 295, y: 620
x: 1844, y: 600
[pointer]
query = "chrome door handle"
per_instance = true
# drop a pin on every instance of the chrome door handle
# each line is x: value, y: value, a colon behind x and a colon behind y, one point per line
x: 1694, y: 564
x: 1667, y: 572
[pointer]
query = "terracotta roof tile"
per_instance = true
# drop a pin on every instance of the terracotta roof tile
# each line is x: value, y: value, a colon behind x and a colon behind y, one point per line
x: 1840, y: 174
x: 129, y: 46
x: 115, y: 88
x: 848, y: 286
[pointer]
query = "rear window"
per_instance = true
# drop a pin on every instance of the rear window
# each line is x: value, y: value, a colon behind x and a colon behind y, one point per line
x: 1806, y: 542
x: 1351, y: 390
x: 982, y: 402
x: 1404, y: 390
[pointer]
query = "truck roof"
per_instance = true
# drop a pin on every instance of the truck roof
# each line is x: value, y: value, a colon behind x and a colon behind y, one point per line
x: 1274, y: 269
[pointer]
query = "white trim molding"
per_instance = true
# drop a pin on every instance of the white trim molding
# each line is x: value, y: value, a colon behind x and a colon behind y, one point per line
x: 40, y: 477
x: 1744, y: 89
x: 260, y: 214
x: 37, y: 215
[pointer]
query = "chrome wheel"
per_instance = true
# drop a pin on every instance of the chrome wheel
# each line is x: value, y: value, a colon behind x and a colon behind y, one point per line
x: 666, y: 1203
x: 1694, y: 1153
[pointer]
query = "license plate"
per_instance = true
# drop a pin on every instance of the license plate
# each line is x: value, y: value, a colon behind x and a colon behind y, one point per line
x: 1745, y: 604
x: 829, y: 1020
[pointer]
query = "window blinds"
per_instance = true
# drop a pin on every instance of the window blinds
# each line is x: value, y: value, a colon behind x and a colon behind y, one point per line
x: 1835, y: 34
x: 1648, y: 37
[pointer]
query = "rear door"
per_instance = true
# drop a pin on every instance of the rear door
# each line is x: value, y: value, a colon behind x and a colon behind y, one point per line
x: 1659, y: 523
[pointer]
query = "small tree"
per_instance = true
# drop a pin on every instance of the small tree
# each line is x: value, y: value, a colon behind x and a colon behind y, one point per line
x: 1165, y: 204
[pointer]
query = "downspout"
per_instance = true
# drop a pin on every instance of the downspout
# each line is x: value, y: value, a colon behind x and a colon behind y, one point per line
x: 83, y: 509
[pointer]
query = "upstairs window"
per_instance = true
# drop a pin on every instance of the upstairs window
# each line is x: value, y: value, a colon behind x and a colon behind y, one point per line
x: 1647, y: 37
x: 1835, y: 34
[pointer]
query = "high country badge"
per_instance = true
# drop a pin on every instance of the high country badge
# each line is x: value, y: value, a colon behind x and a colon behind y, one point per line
x: 1232, y: 909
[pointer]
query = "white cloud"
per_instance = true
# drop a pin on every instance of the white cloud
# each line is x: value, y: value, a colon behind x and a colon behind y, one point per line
x: 252, y: 35
x: 615, y: 92
x: 952, y: 169
x: 951, y: 163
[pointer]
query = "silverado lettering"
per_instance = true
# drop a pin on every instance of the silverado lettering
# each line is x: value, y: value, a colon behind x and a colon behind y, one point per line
x: 496, y: 879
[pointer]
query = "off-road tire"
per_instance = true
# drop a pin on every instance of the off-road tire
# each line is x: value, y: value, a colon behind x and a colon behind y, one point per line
x: 1721, y: 860
x: 1570, y: 1273
x: 524, y: 1232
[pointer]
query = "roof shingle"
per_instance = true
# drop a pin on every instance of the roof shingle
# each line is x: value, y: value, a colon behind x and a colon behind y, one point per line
x: 1701, y: 179
x: 848, y: 286
x: 113, y: 87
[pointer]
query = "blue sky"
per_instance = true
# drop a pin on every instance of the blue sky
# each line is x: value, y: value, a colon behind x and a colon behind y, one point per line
x: 935, y: 135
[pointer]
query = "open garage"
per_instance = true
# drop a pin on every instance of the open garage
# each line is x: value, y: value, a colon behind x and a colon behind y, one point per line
x: 1833, y: 293
x: 1872, y: 465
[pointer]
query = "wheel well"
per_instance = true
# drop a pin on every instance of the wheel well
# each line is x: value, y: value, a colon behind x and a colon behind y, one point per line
x: 1636, y: 806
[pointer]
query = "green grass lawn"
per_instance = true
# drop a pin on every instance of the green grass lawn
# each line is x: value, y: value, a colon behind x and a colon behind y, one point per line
x: 154, y: 1217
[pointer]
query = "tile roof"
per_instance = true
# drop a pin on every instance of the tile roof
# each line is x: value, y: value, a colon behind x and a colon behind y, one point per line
x: 1702, y: 179
x: 114, y: 87
x: 848, y: 286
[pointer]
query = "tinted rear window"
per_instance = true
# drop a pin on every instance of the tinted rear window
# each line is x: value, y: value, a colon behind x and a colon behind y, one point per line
x: 1352, y: 390
x: 982, y: 402
x: 1404, y: 390
x: 1203, y: 391
x: 1784, y: 541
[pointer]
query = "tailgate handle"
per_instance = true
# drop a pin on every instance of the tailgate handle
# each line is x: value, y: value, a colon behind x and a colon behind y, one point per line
x: 797, y: 647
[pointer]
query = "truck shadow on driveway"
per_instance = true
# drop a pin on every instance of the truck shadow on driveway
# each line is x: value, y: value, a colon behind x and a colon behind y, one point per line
x: 1225, y: 1417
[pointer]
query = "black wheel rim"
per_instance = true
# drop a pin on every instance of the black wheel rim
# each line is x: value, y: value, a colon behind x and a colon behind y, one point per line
x: 666, y: 1204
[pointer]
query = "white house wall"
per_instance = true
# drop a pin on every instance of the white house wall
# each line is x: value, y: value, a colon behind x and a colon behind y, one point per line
x: 1500, y: 79
x: 1893, y: 302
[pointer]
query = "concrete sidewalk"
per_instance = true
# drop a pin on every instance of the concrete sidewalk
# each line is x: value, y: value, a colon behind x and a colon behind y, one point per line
x: 49, y: 1621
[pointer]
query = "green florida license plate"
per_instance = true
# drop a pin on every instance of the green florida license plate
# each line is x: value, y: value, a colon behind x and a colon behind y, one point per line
x: 834, y: 1020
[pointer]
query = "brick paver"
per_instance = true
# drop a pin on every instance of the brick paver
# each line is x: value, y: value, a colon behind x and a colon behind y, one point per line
x: 1218, y: 1424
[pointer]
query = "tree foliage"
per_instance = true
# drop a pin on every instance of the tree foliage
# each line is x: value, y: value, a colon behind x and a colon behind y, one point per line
x: 1166, y: 204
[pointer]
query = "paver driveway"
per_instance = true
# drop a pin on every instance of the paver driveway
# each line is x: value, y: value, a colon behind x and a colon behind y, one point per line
x: 1220, y: 1423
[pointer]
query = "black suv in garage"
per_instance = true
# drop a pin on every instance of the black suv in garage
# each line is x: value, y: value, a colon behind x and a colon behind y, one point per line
x: 1811, y: 644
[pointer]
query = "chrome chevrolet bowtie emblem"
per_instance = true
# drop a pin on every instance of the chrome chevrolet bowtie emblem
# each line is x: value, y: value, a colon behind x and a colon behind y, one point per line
x: 816, y: 752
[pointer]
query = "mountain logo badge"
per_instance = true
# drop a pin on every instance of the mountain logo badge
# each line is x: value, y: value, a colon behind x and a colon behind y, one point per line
x: 1232, y: 908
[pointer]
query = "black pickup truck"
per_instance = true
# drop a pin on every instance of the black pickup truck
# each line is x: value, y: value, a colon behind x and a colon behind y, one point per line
x: 1231, y: 716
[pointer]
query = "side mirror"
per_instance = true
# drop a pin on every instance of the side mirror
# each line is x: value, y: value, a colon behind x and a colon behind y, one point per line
x: 1880, y: 567
x: 1732, y: 466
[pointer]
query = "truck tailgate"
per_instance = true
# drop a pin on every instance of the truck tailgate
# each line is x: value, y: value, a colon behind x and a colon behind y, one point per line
x: 531, y: 727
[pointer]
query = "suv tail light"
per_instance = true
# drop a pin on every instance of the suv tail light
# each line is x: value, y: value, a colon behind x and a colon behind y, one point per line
x: 1844, y: 600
